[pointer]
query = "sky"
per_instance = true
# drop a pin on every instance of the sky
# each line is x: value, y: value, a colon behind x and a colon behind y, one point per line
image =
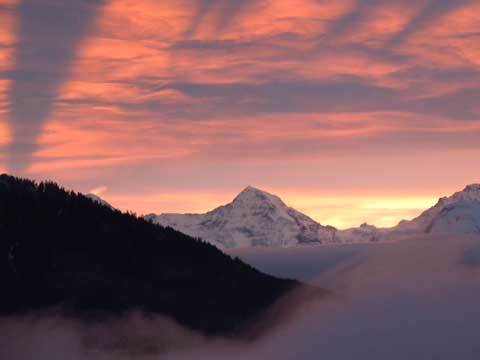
x: 351, y: 110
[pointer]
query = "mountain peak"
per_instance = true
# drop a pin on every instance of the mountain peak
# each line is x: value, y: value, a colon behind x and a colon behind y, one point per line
x: 254, y: 218
x: 471, y: 192
x: 253, y: 189
x: 472, y: 188
x: 251, y: 193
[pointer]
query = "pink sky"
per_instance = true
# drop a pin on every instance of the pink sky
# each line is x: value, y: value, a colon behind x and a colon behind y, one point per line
x: 350, y: 110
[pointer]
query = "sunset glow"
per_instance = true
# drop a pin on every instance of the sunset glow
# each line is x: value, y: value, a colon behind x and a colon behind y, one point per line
x: 351, y: 111
x: 339, y: 211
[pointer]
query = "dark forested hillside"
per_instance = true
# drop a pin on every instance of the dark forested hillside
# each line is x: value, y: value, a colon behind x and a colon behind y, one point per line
x: 59, y: 248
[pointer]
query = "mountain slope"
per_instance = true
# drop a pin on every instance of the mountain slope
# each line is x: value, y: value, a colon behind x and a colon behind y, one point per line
x: 458, y: 213
x: 253, y: 218
x: 459, y: 218
x: 60, y: 248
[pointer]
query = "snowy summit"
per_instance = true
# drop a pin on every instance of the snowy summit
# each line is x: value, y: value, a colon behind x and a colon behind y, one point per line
x: 456, y: 214
x: 253, y: 218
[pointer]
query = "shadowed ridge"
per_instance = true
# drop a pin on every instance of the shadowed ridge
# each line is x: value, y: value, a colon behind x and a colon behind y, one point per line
x: 61, y: 249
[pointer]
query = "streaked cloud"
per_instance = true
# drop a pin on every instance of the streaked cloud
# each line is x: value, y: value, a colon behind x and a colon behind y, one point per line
x: 429, y: 15
x: 48, y: 34
x: 207, y: 95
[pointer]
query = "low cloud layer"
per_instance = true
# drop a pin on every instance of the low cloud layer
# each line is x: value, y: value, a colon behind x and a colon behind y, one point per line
x: 415, y: 299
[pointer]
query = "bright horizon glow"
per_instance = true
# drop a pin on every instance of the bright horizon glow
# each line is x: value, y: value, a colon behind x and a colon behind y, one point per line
x: 339, y: 211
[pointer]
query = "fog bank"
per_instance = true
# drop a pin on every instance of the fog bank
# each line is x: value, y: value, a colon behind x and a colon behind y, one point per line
x: 414, y: 299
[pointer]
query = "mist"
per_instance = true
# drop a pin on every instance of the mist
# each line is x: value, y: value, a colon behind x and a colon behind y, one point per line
x: 413, y: 299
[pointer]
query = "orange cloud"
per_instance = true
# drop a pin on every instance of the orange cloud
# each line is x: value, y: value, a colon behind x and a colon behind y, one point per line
x: 268, y: 92
x: 382, y: 22
x: 7, y: 41
x: 305, y: 17
x: 102, y: 143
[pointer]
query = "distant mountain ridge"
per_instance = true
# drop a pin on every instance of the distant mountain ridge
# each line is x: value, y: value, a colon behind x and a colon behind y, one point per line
x: 258, y: 218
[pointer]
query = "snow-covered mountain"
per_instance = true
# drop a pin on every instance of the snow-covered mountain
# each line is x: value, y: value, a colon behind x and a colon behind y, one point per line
x: 253, y: 218
x: 456, y: 214
x: 459, y: 218
x: 257, y: 218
